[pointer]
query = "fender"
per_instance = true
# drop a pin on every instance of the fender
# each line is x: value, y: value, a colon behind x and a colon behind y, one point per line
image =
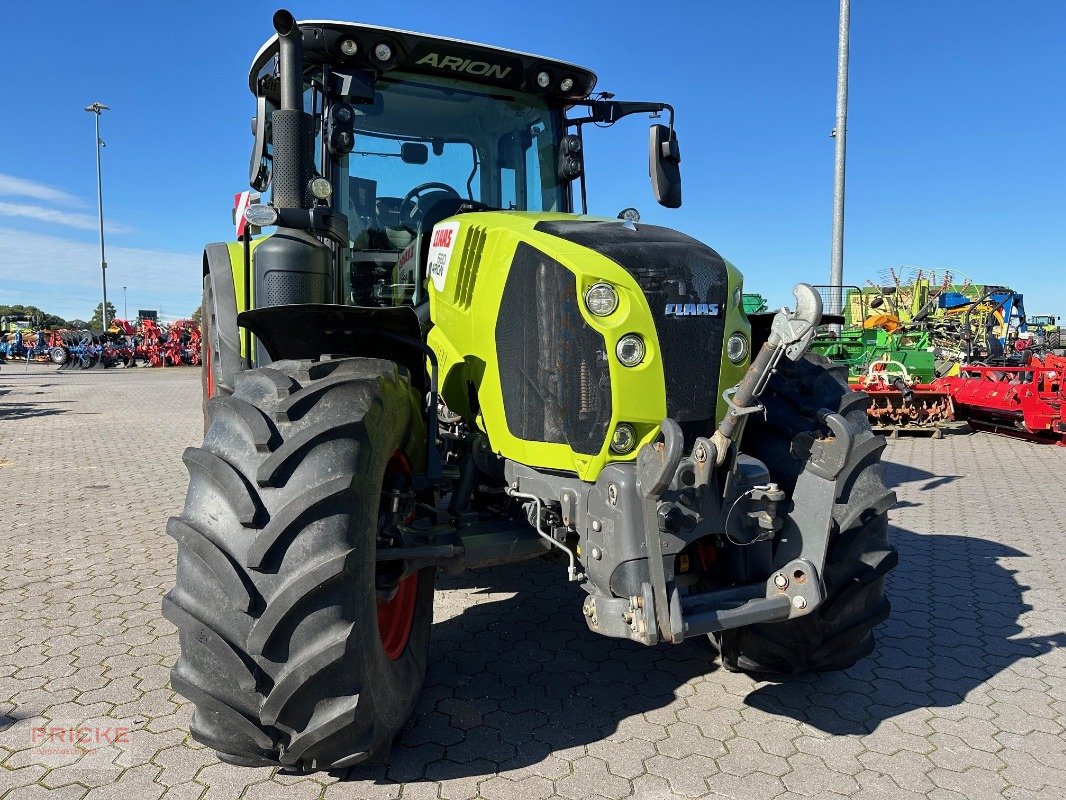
x: 310, y: 330
x: 226, y: 342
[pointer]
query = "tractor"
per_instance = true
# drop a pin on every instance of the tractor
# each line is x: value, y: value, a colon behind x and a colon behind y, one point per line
x: 438, y: 361
x: 1044, y: 328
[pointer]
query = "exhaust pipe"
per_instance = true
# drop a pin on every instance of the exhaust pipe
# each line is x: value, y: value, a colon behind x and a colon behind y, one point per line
x: 290, y: 60
x: 293, y: 129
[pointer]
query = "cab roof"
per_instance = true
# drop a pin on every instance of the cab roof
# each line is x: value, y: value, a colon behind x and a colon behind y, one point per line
x: 432, y: 55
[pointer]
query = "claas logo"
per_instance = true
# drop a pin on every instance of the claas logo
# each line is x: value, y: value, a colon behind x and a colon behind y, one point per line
x: 443, y: 237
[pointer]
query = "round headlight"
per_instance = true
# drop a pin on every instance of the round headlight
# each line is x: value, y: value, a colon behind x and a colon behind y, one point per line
x: 382, y: 52
x: 349, y: 47
x: 624, y: 439
x: 630, y: 350
x: 543, y: 80
x: 261, y: 215
x: 601, y: 299
x: 321, y: 188
x: 736, y: 349
x: 738, y: 296
x: 566, y: 84
x: 629, y: 215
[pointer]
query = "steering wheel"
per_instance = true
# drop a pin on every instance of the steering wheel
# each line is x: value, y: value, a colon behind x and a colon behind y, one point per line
x: 409, y: 211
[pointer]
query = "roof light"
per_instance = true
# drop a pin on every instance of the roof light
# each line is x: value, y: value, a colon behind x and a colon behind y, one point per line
x: 382, y: 52
x: 543, y: 79
x: 349, y: 47
x: 566, y: 84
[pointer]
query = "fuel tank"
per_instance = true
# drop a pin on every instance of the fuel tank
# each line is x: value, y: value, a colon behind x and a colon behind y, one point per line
x: 524, y: 359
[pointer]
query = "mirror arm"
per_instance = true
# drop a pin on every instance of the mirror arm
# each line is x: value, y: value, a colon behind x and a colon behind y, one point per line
x: 608, y: 112
x: 581, y: 178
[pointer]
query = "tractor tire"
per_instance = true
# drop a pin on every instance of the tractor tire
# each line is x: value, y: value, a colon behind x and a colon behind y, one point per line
x: 58, y: 355
x: 1054, y: 340
x: 295, y: 650
x: 840, y: 631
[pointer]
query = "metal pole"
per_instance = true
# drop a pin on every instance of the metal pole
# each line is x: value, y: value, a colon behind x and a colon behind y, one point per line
x: 836, y: 271
x: 125, y: 312
x: 96, y: 109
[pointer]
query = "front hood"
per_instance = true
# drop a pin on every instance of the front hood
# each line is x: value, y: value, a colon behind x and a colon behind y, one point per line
x: 686, y: 284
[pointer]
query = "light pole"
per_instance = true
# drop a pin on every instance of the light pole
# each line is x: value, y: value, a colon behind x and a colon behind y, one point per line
x: 96, y: 109
x: 836, y: 270
x: 125, y: 313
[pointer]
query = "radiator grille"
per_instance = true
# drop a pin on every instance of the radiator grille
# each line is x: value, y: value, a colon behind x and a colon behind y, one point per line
x: 553, y: 365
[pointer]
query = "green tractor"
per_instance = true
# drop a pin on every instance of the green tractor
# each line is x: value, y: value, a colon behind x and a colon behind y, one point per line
x: 435, y: 363
x: 1045, y: 327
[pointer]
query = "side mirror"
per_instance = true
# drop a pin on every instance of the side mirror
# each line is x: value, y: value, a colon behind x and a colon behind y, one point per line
x: 414, y: 153
x: 259, y: 171
x: 664, y: 166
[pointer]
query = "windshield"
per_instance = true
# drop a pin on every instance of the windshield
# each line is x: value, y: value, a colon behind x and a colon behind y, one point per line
x: 427, y: 142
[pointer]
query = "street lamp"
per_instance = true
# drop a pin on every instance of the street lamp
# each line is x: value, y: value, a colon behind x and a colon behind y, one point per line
x: 96, y: 109
x: 840, y: 132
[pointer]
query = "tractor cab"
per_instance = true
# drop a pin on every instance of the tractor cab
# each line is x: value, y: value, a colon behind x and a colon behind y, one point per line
x: 397, y: 131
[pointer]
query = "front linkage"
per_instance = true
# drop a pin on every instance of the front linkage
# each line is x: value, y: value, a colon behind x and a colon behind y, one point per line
x: 667, y: 500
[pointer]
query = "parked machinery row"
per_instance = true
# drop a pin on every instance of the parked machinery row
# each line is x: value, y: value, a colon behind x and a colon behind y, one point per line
x: 124, y: 344
x: 932, y: 352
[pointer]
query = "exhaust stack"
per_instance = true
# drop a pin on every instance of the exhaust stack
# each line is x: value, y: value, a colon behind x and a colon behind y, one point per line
x: 293, y: 129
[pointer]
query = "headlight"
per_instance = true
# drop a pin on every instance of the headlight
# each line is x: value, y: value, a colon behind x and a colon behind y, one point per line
x: 382, y: 52
x: 349, y: 47
x: 544, y: 80
x: 601, y: 299
x: 566, y: 84
x: 736, y: 349
x: 630, y: 350
x: 624, y: 439
x: 738, y: 297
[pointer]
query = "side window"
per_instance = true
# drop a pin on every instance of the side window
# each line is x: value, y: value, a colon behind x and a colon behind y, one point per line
x: 508, y: 188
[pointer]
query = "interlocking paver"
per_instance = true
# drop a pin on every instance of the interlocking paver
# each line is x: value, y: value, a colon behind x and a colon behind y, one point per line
x: 964, y: 697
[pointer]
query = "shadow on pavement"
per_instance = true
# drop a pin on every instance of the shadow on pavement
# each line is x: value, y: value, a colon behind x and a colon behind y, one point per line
x: 954, y: 625
x: 518, y: 675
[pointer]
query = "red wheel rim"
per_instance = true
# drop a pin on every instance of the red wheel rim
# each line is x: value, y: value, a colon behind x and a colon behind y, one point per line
x: 396, y: 616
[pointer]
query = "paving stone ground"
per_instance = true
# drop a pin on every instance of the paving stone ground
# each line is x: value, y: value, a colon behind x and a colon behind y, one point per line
x: 964, y: 698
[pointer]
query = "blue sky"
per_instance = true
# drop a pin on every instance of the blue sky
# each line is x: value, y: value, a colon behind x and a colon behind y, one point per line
x: 956, y: 134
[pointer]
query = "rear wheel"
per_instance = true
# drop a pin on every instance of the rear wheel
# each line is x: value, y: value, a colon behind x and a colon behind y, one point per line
x: 295, y: 649
x: 840, y: 631
x: 1054, y: 340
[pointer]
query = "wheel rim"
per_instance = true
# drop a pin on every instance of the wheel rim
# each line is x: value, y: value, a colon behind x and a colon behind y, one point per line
x: 396, y: 616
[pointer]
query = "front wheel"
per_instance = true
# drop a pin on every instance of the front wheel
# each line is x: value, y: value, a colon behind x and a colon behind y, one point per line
x: 296, y: 649
x: 840, y: 631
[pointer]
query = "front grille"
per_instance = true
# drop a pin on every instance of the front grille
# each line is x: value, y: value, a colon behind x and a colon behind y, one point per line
x: 553, y: 365
x: 670, y: 268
